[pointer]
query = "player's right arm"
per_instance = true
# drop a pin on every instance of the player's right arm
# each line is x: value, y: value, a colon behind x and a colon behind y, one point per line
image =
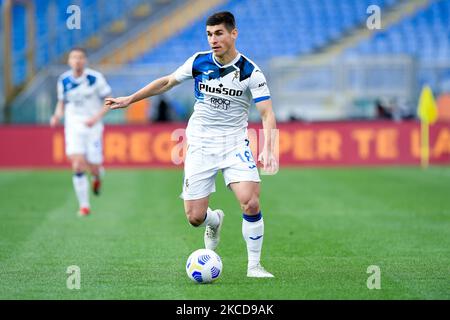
x: 154, y: 88
x: 58, y: 114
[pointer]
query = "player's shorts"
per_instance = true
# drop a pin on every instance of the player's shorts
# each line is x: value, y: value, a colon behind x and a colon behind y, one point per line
x: 80, y: 139
x: 202, y: 165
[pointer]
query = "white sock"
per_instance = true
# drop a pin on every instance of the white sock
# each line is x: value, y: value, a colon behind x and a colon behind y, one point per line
x: 253, y: 232
x: 81, y: 186
x: 211, y: 219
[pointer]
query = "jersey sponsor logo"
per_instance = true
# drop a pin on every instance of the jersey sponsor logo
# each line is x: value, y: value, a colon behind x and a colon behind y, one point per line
x: 262, y: 84
x: 204, y: 88
x: 208, y: 72
x: 220, y: 103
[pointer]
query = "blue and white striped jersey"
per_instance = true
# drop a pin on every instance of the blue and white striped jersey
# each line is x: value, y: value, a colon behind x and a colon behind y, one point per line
x: 82, y: 96
x: 223, y: 95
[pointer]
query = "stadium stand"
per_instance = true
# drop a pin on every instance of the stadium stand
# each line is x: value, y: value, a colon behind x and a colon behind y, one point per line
x: 99, y: 18
x: 425, y: 35
x: 156, y: 31
x: 284, y: 26
x: 413, y: 47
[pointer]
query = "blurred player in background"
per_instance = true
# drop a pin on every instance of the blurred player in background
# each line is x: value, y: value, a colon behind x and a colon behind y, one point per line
x: 226, y: 82
x: 80, y: 100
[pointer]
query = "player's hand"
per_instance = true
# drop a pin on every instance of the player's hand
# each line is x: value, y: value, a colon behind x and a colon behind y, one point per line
x: 117, y: 103
x: 54, y: 120
x: 90, y: 122
x: 269, y: 162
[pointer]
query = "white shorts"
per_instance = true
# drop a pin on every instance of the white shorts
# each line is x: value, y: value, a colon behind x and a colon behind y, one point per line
x: 202, y: 164
x: 80, y: 139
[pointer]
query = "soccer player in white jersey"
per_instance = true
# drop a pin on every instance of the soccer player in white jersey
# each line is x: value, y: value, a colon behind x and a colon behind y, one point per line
x: 81, y: 92
x: 226, y: 83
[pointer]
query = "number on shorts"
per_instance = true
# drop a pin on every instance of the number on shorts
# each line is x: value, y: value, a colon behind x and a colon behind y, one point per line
x: 248, y: 157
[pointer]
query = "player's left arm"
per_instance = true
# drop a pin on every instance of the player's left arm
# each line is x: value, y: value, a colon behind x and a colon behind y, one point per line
x: 268, y: 157
x: 261, y: 96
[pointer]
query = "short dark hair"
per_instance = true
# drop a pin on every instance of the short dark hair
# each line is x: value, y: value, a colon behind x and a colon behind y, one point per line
x: 79, y: 49
x: 224, y: 17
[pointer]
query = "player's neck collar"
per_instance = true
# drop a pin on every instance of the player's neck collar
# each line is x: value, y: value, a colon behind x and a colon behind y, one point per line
x: 81, y: 76
x: 238, y: 56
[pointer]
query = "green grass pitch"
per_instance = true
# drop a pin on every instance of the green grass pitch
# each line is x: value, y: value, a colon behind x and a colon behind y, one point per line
x: 323, y: 228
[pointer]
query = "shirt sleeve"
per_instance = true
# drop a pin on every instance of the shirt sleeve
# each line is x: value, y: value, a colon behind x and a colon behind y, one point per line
x: 258, y: 86
x: 184, y: 72
x: 60, y: 90
x: 104, y: 89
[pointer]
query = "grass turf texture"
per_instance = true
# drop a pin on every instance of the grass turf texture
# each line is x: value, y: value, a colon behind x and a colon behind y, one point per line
x: 323, y: 228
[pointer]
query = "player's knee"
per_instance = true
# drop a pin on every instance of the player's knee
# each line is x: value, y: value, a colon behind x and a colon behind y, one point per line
x: 78, y: 167
x: 95, y: 170
x: 195, y: 217
x: 251, y: 206
x: 195, y: 221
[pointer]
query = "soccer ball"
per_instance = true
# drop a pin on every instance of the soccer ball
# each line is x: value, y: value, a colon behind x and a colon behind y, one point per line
x: 204, y: 266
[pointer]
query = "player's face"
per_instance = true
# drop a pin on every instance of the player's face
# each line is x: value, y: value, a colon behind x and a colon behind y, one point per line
x: 77, y: 60
x: 220, y: 39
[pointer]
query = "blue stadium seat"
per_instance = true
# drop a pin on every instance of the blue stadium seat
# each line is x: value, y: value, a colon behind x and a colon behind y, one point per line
x: 280, y: 27
x: 425, y: 35
x: 52, y: 37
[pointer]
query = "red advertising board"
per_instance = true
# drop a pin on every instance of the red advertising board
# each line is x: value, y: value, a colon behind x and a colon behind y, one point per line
x: 314, y: 144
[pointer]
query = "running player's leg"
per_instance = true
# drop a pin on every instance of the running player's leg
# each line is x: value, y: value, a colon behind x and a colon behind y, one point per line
x: 199, y: 182
x: 80, y: 182
x: 95, y: 170
x: 242, y: 177
x: 75, y: 140
x: 95, y: 156
x: 247, y: 193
